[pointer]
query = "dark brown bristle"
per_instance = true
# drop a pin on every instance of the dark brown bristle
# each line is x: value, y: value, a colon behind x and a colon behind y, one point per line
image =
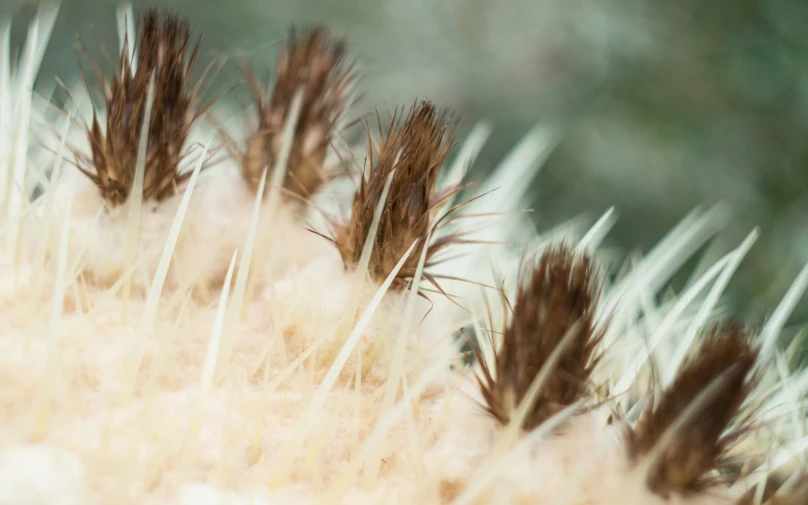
x: 416, y: 150
x: 701, y: 443
x: 558, y: 295
x: 163, y: 52
x: 315, y: 63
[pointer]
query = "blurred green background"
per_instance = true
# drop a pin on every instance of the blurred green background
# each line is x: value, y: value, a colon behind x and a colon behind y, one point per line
x: 664, y: 105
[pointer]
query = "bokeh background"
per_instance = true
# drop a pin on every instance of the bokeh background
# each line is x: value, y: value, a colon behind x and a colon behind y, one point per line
x: 663, y: 106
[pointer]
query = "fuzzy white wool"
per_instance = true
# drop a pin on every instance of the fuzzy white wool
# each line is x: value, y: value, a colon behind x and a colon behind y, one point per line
x: 219, y: 216
x: 205, y: 494
x: 241, y: 435
x: 43, y: 475
x: 148, y: 449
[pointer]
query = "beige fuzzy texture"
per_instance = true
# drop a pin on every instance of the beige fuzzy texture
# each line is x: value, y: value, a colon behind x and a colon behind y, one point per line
x: 219, y: 216
x: 163, y: 446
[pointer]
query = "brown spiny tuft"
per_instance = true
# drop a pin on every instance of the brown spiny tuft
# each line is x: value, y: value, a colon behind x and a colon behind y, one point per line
x: 416, y: 150
x: 315, y: 63
x: 700, y: 445
x: 163, y: 50
x: 557, y: 295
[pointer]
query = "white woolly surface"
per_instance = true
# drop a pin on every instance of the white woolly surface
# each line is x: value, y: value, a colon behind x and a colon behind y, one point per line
x: 215, y: 225
x: 171, y: 442
x: 42, y: 474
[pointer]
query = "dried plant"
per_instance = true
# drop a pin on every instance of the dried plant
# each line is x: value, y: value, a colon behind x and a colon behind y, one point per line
x: 315, y: 63
x: 165, y: 54
x: 556, y: 299
x: 416, y: 150
x: 701, y: 444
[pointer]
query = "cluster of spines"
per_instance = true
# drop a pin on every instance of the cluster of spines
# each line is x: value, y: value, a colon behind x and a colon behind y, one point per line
x: 315, y: 64
x: 683, y: 440
x: 552, y: 325
x: 166, y: 58
x: 412, y: 150
x: 687, y: 432
x: 701, y: 412
x: 409, y: 159
x: 776, y: 490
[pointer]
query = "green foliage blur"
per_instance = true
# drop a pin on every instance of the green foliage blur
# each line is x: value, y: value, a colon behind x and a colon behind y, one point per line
x: 663, y: 106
